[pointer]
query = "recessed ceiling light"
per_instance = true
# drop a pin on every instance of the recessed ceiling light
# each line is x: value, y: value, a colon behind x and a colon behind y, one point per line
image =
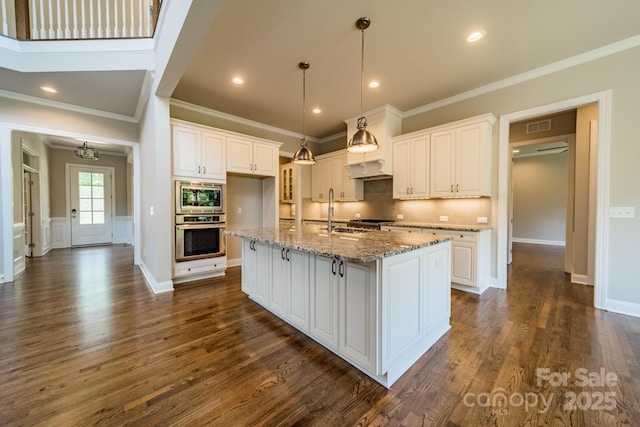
x: 475, y: 36
x: 238, y: 80
x: 374, y: 84
x: 317, y: 111
x: 48, y: 89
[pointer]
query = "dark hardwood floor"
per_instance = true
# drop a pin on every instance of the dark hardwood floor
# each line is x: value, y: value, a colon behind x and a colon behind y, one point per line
x: 84, y: 342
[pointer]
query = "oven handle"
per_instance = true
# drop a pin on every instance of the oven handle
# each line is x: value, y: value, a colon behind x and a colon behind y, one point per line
x: 198, y: 226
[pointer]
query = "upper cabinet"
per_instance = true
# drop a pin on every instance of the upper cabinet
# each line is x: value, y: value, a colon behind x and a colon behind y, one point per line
x: 410, y: 160
x: 461, y: 159
x: 384, y: 123
x: 253, y: 157
x: 293, y: 176
x: 198, y: 152
x: 329, y: 172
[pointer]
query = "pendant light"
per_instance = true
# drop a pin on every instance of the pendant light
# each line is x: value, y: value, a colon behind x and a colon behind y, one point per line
x: 304, y: 156
x: 362, y: 141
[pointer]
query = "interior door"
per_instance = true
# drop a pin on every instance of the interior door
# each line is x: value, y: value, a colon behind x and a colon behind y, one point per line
x: 90, y: 196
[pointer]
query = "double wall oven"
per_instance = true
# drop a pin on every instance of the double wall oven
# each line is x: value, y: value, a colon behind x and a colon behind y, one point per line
x: 200, y: 220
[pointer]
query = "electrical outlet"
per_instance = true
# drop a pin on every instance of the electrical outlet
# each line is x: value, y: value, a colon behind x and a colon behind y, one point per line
x: 482, y: 220
x: 622, y: 212
x: 239, y: 211
x: 358, y: 215
x: 399, y: 216
x: 444, y: 218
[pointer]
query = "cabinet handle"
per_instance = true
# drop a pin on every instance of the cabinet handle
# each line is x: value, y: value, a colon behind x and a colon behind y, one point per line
x: 282, y: 254
x: 341, y: 268
x: 204, y: 169
x: 333, y: 267
x: 198, y: 169
x: 407, y: 190
x: 287, y: 255
x: 457, y: 188
x: 452, y: 188
x: 411, y: 190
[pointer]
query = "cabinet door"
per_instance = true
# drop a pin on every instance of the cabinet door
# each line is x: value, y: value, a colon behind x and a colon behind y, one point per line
x: 186, y: 152
x: 249, y: 267
x: 436, y: 296
x: 214, y: 156
x: 463, y: 263
x: 401, y: 169
x: 265, y: 159
x: 442, y: 152
x: 262, y: 272
x: 469, y: 160
x: 287, y: 183
x: 345, y: 188
x: 323, y: 321
x: 357, y: 319
x: 321, y: 180
x: 239, y: 155
x: 279, y: 281
x: 419, y: 167
x: 298, y: 303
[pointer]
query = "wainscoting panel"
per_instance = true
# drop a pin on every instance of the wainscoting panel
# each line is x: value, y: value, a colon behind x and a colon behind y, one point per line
x: 60, y: 233
x: 18, y: 248
x: 123, y: 230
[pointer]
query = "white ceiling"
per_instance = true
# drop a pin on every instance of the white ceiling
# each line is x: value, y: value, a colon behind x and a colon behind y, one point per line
x: 415, y: 48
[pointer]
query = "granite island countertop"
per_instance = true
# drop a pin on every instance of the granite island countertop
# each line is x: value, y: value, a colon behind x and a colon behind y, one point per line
x: 352, y: 247
x: 440, y: 226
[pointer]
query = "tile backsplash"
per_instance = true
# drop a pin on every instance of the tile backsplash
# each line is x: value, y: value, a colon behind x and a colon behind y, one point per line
x: 379, y: 203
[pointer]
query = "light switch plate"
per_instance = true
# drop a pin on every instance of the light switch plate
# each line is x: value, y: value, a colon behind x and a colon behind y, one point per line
x: 399, y: 216
x: 444, y: 218
x: 358, y: 215
x: 622, y: 212
x: 482, y: 220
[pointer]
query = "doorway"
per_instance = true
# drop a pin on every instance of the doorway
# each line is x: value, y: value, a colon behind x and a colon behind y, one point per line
x: 600, y: 180
x: 90, y: 204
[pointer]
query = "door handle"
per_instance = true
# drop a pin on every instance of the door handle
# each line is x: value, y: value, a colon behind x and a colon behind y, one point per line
x: 73, y: 213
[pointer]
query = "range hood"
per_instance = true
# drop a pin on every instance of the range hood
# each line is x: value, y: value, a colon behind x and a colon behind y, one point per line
x: 384, y: 123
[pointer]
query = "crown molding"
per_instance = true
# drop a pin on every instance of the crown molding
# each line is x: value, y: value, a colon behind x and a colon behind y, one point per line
x: 630, y: 43
x: 64, y: 106
x: 220, y: 115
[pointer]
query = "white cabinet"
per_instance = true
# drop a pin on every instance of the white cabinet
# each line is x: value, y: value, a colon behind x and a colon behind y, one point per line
x: 252, y: 157
x: 461, y: 161
x: 357, y: 320
x: 323, y: 300
x: 256, y: 270
x: 411, y: 167
x: 292, y: 177
x: 289, y: 296
x: 470, y: 258
x: 329, y: 172
x: 198, y: 152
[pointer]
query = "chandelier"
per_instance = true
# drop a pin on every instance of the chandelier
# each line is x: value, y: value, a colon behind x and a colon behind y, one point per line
x: 85, y: 152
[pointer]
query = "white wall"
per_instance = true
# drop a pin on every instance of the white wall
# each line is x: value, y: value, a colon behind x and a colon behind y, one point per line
x: 540, y: 185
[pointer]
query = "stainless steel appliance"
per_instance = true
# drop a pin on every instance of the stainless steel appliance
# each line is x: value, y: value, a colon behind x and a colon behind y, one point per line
x: 199, y: 197
x: 200, y: 236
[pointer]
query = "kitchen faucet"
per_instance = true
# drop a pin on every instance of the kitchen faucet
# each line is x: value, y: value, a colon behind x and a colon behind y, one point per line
x: 330, y: 211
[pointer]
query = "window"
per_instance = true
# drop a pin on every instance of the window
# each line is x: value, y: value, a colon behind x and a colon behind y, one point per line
x: 91, y: 191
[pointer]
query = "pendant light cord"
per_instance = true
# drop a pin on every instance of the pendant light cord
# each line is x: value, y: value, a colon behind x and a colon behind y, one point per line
x: 304, y: 100
x: 361, y: 71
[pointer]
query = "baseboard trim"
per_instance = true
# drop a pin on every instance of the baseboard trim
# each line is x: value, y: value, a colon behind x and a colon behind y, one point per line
x: 580, y: 279
x: 623, y: 307
x: 538, y: 241
x: 236, y: 262
x: 155, y: 286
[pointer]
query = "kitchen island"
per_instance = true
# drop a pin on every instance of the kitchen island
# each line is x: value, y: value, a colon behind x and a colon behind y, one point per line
x: 378, y: 300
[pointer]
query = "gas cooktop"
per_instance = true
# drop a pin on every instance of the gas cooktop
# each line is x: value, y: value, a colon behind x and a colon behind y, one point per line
x: 367, y: 223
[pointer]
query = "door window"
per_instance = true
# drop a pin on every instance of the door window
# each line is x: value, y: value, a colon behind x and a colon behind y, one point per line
x: 91, y: 192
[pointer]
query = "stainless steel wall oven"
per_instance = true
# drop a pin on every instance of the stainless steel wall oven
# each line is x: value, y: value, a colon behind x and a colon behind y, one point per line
x: 200, y: 236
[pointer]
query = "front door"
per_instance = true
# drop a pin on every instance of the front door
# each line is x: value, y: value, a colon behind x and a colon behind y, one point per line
x: 90, y: 191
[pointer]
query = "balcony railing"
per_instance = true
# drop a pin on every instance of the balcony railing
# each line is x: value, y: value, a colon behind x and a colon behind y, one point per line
x: 78, y: 19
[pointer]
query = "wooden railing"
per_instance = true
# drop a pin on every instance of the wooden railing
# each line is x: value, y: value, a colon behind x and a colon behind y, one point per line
x: 78, y: 19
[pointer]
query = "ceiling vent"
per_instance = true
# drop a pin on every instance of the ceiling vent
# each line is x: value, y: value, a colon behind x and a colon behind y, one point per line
x: 541, y: 126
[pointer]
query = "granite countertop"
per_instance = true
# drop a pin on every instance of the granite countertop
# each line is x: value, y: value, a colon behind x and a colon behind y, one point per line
x: 352, y: 247
x: 441, y: 226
